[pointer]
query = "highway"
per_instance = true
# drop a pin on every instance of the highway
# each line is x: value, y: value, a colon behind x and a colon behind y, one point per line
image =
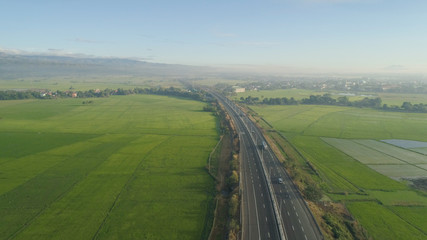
x: 270, y: 210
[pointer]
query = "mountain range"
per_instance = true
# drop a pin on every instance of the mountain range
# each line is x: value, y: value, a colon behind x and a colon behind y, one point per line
x: 21, y: 65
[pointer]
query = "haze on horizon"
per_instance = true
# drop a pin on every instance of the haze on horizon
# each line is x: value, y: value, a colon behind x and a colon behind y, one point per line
x: 327, y: 35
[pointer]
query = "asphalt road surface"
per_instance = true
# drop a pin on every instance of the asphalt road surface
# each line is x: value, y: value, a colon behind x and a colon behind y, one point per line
x: 270, y: 209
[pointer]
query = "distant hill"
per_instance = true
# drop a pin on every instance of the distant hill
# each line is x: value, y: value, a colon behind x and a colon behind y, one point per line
x: 14, y: 66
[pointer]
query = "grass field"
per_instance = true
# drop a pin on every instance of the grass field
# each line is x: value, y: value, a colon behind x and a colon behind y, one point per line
x: 87, y: 82
x: 345, y: 122
x: 298, y: 94
x: 124, y: 167
x: 386, y: 159
x: 339, y: 141
x: 383, y: 223
x: 399, y: 153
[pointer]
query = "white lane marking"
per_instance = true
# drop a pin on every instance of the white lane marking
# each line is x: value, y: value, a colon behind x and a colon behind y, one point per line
x: 262, y: 195
x: 284, y: 201
x: 305, y: 237
x: 302, y: 228
x: 280, y: 191
x: 294, y: 207
x: 288, y: 213
x: 263, y: 205
x: 256, y: 212
x: 293, y: 227
x: 269, y: 235
x: 266, y: 219
x: 299, y: 221
x: 296, y: 214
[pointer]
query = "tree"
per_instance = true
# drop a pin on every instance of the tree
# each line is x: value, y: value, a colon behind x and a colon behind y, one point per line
x: 343, y: 101
x: 407, y: 106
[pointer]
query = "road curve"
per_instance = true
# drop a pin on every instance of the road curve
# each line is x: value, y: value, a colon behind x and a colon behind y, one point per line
x: 270, y: 210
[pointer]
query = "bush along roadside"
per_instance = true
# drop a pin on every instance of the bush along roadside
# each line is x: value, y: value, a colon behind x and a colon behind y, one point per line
x: 224, y: 166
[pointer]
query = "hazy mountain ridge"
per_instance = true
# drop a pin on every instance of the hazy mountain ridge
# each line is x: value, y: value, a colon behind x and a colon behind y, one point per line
x: 32, y: 65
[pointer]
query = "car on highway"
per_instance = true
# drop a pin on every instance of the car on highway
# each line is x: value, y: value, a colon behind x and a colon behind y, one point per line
x: 280, y: 180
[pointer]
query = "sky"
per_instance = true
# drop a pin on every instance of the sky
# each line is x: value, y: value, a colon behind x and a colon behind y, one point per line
x: 342, y: 35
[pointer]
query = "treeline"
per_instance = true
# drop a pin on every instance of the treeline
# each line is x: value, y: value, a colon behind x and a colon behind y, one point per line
x: 327, y: 99
x: 15, y: 95
x: 46, y: 94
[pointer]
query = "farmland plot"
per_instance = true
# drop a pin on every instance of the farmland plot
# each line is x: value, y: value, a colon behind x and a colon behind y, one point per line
x: 128, y: 167
x: 420, y: 150
x: 394, y: 162
x: 345, y: 174
x: 409, y: 144
x: 416, y: 146
x: 361, y: 153
x: 399, y: 153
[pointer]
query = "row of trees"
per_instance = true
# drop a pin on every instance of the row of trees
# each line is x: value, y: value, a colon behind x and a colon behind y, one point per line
x: 14, y: 95
x: 46, y: 94
x: 327, y: 99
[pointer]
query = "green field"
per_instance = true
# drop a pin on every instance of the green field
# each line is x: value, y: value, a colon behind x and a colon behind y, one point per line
x: 87, y: 82
x: 386, y: 159
x: 384, y: 223
x: 124, y: 167
x: 295, y: 93
x: 344, y: 122
x: 298, y: 94
x: 327, y: 135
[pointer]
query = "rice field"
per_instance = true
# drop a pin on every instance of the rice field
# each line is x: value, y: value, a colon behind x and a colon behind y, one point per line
x: 124, y: 167
x: 382, y: 223
x: 420, y: 150
x: 408, y: 144
x: 362, y: 153
x: 387, y: 98
x: 416, y: 146
x: 369, y: 176
x: 409, y: 157
x: 386, y: 159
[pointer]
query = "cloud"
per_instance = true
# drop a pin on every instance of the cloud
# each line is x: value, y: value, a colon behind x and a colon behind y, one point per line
x: 81, y: 40
x: 225, y: 35
x: 55, y: 50
x: 395, y: 68
x: 248, y: 44
x: 258, y: 43
x: 147, y: 36
x: 222, y: 34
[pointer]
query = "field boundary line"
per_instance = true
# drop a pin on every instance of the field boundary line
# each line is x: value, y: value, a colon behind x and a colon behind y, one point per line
x: 212, y: 152
x: 28, y: 223
x: 388, y: 207
x: 214, y: 220
x: 60, y: 196
x: 314, y: 122
x: 389, y: 156
x: 360, y: 189
x: 408, y: 149
x: 130, y: 179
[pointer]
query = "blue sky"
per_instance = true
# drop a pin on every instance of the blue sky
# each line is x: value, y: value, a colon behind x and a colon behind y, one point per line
x: 347, y: 35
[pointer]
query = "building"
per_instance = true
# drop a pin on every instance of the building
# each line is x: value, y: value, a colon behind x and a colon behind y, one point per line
x: 239, y: 89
